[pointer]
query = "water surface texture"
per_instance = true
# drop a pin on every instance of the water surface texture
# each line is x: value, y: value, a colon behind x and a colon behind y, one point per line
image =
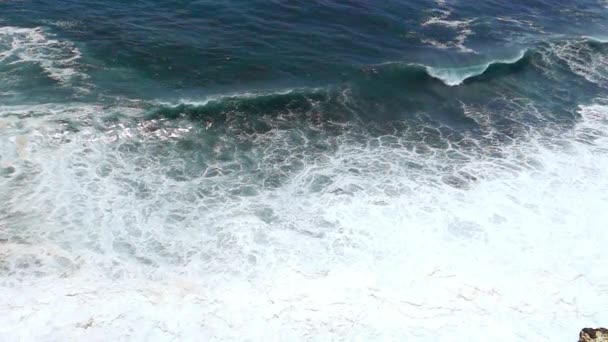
x: 303, y: 170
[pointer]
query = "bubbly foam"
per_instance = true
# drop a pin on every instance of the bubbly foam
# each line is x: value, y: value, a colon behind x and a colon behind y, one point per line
x: 583, y: 59
x: 441, y: 17
x: 58, y: 59
x: 300, y: 236
x: 455, y: 76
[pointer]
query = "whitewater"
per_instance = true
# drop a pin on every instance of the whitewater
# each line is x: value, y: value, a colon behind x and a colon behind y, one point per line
x: 138, y: 219
x: 520, y: 245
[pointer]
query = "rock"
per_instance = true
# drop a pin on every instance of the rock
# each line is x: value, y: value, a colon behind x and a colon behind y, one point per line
x: 593, y: 335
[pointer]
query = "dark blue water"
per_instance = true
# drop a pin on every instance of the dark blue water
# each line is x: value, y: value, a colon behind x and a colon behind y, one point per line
x: 302, y: 151
x: 215, y: 47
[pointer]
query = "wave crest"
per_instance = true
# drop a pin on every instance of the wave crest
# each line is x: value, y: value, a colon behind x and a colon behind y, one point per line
x: 566, y: 50
x: 456, y: 76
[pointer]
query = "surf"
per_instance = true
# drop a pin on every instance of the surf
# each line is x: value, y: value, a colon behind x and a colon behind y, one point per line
x: 224, y: 211
x: 457, y: 76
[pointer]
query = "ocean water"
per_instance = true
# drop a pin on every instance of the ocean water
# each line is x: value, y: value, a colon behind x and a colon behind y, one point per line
x: 303, y: 170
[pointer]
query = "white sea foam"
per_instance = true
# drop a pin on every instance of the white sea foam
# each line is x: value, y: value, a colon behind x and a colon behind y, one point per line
x: 583, y: 60
x: 441, y: 17
x: 370, y: 241
x: 58, y: 58
x: 442, y: 21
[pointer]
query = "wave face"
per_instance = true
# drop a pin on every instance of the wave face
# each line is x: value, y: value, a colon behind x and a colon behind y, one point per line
x: 456, y: 76
x: 566, y: 51
x: 146, y: 201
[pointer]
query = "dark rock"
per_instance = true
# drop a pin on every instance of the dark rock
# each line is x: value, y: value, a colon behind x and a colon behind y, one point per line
x: 593, y: 335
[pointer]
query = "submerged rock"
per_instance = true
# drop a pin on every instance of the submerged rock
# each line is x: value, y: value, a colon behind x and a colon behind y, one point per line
x: 593, y: 335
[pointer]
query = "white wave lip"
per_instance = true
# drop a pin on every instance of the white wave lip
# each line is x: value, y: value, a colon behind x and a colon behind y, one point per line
x: 457, y: 75
x: 580, y: 58
x: 583, y: 60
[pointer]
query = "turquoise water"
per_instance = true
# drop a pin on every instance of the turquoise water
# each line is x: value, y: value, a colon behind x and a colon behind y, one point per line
x: 319, y: 170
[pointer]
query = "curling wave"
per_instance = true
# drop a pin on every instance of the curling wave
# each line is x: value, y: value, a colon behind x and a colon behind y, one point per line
x: 456, y: 76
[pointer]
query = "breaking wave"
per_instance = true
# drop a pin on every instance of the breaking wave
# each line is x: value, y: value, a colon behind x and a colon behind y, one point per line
x: 222, y: 213
x: 455, y: 76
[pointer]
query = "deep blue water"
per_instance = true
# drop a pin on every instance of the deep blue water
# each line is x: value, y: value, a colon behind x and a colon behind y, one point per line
x: 207, y: 47
x: 228, y: 141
